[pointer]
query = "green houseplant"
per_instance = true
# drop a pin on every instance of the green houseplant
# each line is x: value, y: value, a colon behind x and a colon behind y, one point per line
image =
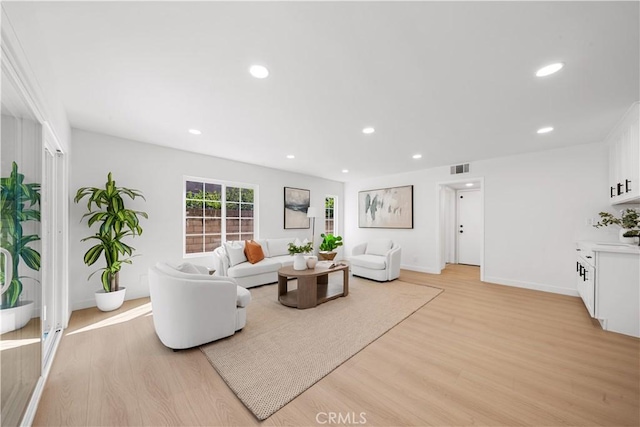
x: 106, y: 207
x: 20, y: 202
x: 328, y: 246
x: 300, y: 249
x: 629, y: 223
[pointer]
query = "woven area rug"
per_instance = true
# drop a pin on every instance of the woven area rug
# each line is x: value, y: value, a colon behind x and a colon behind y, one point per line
x: 283, y: 351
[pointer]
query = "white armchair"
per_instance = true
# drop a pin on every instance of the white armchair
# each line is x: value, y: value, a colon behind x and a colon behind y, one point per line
x: 194, y: 309
x: 376, y: 260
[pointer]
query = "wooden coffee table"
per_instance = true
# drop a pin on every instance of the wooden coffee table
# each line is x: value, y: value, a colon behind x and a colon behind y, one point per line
x: 313, y: 286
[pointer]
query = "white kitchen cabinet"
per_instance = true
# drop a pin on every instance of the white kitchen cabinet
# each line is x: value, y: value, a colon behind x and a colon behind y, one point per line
x: 624, y: 158
x: 608, y: 281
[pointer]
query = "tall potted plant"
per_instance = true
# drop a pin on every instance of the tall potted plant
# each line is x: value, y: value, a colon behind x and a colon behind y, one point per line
x: 20, y: 202
x: 328, y: 246
x: 106, y: 207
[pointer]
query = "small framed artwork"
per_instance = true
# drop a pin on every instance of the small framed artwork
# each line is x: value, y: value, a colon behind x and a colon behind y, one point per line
x: 296, y: 204
x: 386, y: 208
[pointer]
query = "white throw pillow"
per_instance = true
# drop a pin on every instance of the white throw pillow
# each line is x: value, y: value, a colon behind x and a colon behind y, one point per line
x: 278, y: 247
x: 378, y: 247
x: 188, y: 268
x: 235, y: 251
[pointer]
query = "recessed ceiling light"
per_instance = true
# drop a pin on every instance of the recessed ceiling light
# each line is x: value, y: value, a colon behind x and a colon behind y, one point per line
x: 259, y: 71
x: 368, y: 130
x: 345, y: 170
x: 549, y: 69
x: 545, y: 130
x: 290, y: 156
x: 194, y: 132
x: 417, y: 156
x: 469, y: 184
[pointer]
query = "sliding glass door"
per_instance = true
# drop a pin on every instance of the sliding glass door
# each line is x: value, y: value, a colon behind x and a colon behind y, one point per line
x: 20, y: 253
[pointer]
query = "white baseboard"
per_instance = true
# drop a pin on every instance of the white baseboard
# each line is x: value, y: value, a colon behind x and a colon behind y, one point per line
x: 88, y: 303
x: 531, y: 285
x: 420, y: 269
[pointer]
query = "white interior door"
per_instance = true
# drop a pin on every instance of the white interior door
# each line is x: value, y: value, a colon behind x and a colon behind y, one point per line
x: 469, y: 226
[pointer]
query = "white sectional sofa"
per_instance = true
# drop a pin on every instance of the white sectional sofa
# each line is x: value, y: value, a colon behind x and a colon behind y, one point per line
x: 228, y: 261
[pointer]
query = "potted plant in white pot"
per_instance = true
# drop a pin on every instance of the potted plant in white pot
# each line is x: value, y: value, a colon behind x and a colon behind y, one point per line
x: 106, y: 207
x: 629, y: 223
x: 20, y: 202
x: 328, y: 246
x: 298, y: 251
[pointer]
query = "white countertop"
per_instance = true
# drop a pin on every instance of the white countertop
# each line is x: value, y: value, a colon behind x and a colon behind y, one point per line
x: 611, y: 247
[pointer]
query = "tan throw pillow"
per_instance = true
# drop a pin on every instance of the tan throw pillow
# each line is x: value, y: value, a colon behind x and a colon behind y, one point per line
x: 253, y: 251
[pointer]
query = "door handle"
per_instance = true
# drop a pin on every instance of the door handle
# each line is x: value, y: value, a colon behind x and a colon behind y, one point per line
x: 8, y: 270
x: 611, y: 191
x: 619, y: 188
x: 626, y: 185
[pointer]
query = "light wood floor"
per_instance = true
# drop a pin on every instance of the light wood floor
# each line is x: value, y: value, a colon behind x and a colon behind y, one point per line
x: 478, y: 354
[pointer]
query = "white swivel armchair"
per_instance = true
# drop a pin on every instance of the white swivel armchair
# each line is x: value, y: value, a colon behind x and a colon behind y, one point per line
x: 194, y: 309
x: 376, y: 260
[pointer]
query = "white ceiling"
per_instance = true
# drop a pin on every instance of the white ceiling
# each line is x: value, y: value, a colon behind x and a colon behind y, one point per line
x: 452, y: 81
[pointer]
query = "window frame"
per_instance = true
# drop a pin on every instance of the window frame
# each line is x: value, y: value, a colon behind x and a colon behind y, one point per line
x: 335, y: 214
x: 223, y: 215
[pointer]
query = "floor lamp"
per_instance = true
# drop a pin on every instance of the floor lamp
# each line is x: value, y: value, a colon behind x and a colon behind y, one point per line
x: 312, y: 213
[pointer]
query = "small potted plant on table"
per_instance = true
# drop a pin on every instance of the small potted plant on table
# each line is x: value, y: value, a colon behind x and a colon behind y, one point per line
x: 298, y: 251
x: 328, y: 246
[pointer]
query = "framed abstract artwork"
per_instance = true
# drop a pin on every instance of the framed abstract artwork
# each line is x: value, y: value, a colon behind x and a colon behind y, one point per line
x: 386, y: 208
x: 296, y: 203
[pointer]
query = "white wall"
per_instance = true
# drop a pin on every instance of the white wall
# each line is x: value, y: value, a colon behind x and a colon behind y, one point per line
x: 24, y: 39
x: 158, y: 172
x: 536, y: 206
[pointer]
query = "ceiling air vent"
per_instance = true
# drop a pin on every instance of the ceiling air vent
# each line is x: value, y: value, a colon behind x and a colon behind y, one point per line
x: 456, y: 169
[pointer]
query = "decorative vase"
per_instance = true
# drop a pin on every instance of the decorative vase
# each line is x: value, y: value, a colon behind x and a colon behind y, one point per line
x: 17, y: 317
x: 299, y: 263
x: 627, y: 240
x: 312, y: 261
x: 327, y: 256
x: 109, y: 301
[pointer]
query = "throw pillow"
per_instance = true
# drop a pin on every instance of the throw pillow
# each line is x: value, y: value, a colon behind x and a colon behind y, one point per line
x: 253, y: 251
x: 188, y: 268
x: 235, y: 251
x: 378, y: 247
x: 265, y: 247
x: 278, y: 247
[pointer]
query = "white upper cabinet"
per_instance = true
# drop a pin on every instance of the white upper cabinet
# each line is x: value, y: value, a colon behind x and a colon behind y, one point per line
x: 624, y: 158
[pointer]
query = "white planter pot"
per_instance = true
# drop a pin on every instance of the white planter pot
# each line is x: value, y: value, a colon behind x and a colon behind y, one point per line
x: 16, y: 317
x: 109, y: 301
x: 299, y: 263
x: 627, y: 240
